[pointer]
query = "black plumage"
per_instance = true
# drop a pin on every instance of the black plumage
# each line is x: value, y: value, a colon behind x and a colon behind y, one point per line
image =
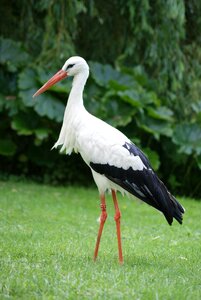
x: 144, y: 184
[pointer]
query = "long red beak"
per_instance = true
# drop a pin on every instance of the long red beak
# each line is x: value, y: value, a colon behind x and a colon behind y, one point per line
x: 57, y: 77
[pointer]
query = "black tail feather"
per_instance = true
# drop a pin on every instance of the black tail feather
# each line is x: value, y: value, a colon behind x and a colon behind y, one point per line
x: 172, y: 208
x: 145, y: 185
x: 177, y: 210
x: 156, y: 194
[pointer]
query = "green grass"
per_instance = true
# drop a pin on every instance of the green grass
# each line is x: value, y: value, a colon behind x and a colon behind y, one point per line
x: 48, y: 236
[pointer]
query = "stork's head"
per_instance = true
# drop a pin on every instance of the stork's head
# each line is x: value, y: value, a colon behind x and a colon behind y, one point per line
x: 73, y: 66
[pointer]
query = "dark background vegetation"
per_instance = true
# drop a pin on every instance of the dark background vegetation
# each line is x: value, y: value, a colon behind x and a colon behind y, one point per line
x: 145, y: 60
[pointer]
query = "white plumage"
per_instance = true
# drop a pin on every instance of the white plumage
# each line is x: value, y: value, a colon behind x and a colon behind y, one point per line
x: 116, y: 163
x: 95, y: 140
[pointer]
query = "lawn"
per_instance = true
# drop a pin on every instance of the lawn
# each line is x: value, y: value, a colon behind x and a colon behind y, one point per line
x: 48, y: 236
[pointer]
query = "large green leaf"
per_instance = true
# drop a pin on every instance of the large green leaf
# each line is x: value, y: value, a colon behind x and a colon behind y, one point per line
x: 132, y: 97
x: 46, y: 105
x: 117, y: 113
x: 41, y: 133
x: 27, y: 79
x: 138, y: 97
x: 7, y: 147
x: 154, y: 126
x: 22, y: 125
x: 27, y: 97
x: 28, y: 124
x: 12, y: 54
x: 102, y: 74
x: 161, y: 113
x: 107, y: 76
x: 188, y: 137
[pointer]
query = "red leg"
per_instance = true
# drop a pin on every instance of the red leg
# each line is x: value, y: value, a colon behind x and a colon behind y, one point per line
x: 103, y: 218
x: 117, y: 220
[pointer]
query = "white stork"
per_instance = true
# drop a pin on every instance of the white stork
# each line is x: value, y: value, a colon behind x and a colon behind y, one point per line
x: 115, y: 162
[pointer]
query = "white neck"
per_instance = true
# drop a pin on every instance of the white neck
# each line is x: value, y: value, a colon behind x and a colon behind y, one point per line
x: 74, y: 108
x: 75, y: 98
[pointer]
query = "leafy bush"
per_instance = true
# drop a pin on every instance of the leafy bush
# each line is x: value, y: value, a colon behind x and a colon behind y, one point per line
x: 146, y: 82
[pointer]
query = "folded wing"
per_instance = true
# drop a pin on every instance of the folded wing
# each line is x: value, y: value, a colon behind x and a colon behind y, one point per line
x: 133, y: 173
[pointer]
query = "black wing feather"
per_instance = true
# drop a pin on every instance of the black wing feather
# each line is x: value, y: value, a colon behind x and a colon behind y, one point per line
x: 144, y: 184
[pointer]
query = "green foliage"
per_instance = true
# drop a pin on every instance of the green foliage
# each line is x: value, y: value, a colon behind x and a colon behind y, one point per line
x: 145, y: 62
x: 188, y: 137
x: 12, y: 54
x: 7, y: 148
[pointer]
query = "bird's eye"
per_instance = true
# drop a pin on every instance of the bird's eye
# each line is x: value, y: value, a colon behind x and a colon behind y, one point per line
x: 70, y: 66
